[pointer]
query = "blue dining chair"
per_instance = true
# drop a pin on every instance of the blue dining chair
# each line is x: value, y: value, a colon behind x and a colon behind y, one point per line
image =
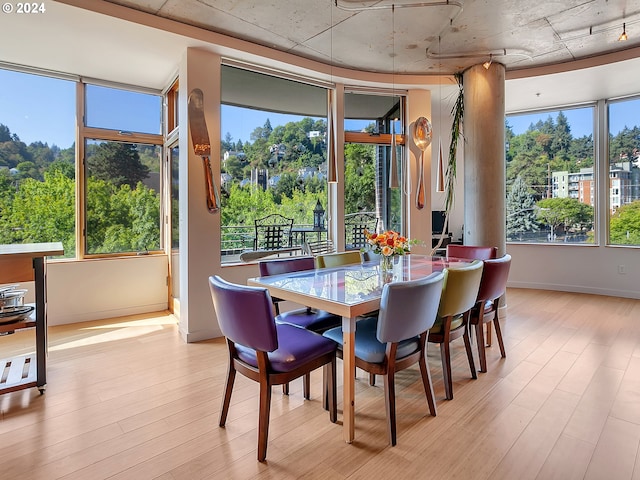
x: 396, y: 339
x: 265, y: 351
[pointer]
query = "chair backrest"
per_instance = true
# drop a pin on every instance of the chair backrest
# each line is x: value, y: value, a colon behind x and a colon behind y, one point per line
x: 338, y: 259
x: 460, y: 288
x: 476, y: 252
x: 495, y: 273
x: 285, y: 265
x: 244, y: 314
x: 273, y: 232
x: 355, y: 225
x: 370, y: 256
x: 409, y: 308
x: 318, y: 248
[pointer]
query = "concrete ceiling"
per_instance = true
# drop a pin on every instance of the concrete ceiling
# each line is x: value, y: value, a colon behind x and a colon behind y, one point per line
x: 414, y: 36
x: 103, y: 40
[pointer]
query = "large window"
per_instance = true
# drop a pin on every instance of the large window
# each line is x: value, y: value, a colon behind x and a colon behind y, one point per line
x: 273, y: 161
x: 121, y: 145
x: 551, y: 181
x: 624, y: 172
x: 37, y: 160
x: 369, y: 121
x: 122, y: 152
x: 122, y: 197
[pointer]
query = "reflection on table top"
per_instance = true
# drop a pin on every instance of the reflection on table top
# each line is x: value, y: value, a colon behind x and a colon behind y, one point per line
x: 352, y: 289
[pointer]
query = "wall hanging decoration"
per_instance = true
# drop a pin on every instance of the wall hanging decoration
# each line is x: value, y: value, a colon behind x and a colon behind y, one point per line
x: 422, y: 135
x: 202, y: 146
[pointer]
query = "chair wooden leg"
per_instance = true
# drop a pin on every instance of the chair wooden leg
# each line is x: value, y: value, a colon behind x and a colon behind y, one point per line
x: 467, y: 346
x: 263, y: 419
x: 285, y: 389
x: 390, y: 403
x: 332, y: 389
x: 325, y: 388
x: 496, y: 322
x: 372, y: 379
x: 428, y: 386
x: 231, y: 376
x: 306, y: 386
x: 446, y: 370
x: 482, y: 354
x: 488, y: 334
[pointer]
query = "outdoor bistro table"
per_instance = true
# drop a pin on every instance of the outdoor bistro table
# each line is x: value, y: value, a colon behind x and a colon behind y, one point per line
x: 303, y: 231
x: 349, y: 291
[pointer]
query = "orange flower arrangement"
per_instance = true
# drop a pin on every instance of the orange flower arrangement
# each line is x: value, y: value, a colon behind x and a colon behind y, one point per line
x: 388, y: 243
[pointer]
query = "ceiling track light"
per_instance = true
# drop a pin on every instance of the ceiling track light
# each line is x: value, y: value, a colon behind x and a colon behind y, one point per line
x: 623, y: 36
x: 493, y: 54
x: 445, y: 3
x: 602, y: 28
x: 488, y: 63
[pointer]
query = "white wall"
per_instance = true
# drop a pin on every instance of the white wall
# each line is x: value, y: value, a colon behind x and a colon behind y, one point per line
x: 573, y: 268
x: 105, y: 288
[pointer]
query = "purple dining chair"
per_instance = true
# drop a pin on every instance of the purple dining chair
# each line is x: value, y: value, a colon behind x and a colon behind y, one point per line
x: 475, y: 252
x: 312, y: 319
x: 493, y: 285
x: 309, y: 318
x: 265, y: 351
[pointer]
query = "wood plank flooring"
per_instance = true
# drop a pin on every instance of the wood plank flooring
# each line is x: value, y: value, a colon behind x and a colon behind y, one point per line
x: 128, y: 399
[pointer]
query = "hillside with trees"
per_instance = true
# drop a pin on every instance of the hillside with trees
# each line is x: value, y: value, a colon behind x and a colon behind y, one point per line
x: 37, y: 195
x: 549, y: 146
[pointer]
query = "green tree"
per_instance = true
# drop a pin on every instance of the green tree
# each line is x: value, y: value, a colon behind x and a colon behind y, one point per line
x: 234, y: 167
x: 44, y: 211
x: 5, y: 133
x: 521, y: 215
x: 561, y: 137
x: 581, y: 150
x: 121, y: 219
x: 624, y: 226
x: 117, y: 163
x: 624, y: 145
x: 27, y: 170
x: 360, y: 190
x: 569, y: 213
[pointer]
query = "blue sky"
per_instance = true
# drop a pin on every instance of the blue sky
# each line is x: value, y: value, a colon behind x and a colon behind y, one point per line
x: 581, y: 119
x: 39, y: 108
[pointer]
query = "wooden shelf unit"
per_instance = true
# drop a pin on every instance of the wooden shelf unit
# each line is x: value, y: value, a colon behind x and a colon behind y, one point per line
x: 26, y: 263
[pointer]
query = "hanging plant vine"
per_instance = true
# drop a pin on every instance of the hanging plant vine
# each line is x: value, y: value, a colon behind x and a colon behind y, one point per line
x: 457, y: 113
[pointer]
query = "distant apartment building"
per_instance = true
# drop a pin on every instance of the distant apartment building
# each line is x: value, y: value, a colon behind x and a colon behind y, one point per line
x: 624, y: 179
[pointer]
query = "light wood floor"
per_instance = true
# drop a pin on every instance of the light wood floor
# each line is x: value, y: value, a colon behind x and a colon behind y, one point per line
x: 127, y: 399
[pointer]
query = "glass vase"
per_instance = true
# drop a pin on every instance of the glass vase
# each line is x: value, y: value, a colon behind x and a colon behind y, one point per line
x: 386, y: 268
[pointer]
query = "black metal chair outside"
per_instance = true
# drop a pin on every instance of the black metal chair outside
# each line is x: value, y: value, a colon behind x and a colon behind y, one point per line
x: 355, y: 225
x: 272, y: 232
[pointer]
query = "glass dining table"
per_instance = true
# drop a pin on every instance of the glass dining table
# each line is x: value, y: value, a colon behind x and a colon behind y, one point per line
x: 350, y: 291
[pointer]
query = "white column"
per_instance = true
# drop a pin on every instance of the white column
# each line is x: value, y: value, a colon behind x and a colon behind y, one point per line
x: 199, y: 229
x: 484, y: 157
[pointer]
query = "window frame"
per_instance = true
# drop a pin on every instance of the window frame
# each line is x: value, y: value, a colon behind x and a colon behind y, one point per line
x: 551, y: 185
x: 103, y: 134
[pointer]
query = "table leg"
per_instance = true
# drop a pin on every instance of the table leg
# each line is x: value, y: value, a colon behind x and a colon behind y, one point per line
x: 349, y: 373
x: 41, y: 323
